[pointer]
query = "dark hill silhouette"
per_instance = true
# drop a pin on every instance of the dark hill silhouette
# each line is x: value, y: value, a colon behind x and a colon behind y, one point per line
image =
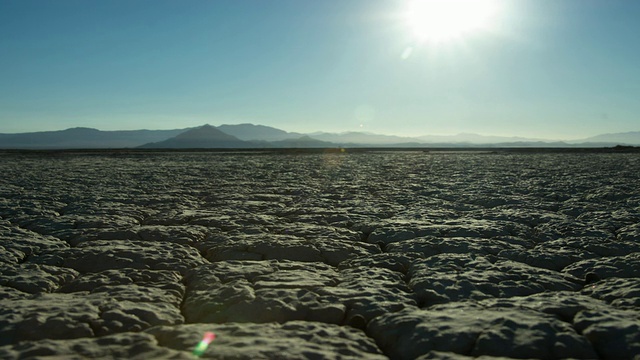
x: 302, y: 142
x: 250, y: 132
x: 204, y: 137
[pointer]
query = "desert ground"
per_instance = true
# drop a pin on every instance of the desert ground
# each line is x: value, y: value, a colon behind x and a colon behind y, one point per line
x: 320, y: 255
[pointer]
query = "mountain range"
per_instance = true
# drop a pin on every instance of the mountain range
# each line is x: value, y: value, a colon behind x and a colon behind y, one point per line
x: 84, y: 138
x: 260, y: 136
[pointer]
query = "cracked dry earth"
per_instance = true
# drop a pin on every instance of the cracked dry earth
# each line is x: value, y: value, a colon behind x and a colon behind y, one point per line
x: 401, y: 255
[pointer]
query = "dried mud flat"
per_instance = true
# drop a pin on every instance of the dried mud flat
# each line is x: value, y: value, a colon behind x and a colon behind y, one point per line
x: 400, y: 255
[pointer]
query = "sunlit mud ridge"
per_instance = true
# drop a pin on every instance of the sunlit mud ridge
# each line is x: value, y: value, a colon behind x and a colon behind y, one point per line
x: 339, y: 255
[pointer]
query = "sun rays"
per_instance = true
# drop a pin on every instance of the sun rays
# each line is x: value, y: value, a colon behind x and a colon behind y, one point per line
x: 445, y: 20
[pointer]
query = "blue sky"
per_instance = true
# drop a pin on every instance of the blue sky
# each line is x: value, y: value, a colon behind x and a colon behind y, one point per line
x: 556, y: 69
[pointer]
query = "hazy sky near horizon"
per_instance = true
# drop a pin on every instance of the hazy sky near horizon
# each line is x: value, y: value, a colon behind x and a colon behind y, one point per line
x: 556, y: 69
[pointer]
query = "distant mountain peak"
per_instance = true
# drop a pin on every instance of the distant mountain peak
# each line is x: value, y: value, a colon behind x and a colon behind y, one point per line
x: 206, y: 132
x: 81, y: 129
x: 625, y: 138
x: 205, y: 137
x: 249, y: 132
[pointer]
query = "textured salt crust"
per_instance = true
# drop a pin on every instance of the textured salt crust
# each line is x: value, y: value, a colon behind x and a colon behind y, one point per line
x: 322, y: 256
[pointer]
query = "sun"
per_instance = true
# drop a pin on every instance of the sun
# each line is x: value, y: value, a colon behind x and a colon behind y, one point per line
x: 443, y: 20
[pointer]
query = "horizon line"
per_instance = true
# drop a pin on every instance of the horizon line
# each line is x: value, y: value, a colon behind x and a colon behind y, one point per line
x: 462, y: 133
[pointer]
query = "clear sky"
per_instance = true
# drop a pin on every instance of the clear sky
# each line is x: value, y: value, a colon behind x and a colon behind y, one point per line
x: 556, y: 69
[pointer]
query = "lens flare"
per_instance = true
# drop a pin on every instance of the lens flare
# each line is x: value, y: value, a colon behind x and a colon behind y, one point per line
x: 204, y: 344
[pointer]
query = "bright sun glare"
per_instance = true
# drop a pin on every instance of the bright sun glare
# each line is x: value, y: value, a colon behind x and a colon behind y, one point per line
x: 443, y: 20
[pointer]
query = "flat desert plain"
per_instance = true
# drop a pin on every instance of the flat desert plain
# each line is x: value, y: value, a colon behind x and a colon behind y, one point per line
x: 320, y: 255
